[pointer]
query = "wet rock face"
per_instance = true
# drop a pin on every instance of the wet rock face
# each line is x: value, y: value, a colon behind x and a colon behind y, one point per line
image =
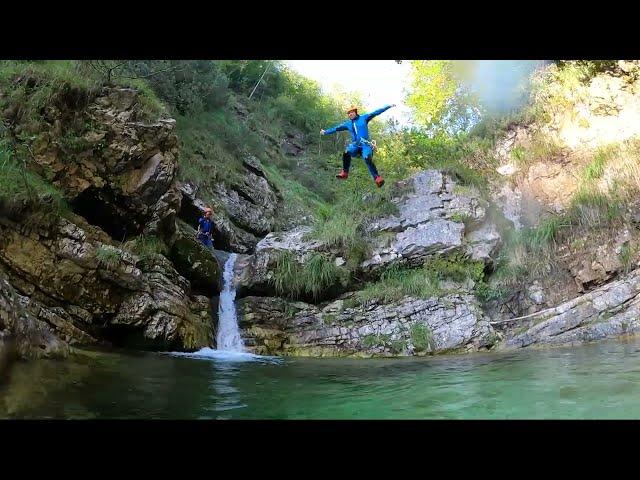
x: 254, y: 273
x: 86, y: 289
x: 248, y: 208
x: 21, y: 333
x: 436, y: 217
x: 610, y: 310
x: 407, y: 327
x: 195, y: 262
x: 112, y: 165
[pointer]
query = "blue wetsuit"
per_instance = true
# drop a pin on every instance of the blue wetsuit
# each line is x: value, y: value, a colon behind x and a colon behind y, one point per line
x: 360, y: 144
x: 206, y: 231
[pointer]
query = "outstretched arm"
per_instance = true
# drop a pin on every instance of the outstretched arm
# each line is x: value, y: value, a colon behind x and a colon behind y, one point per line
x: 375, y: 113
x: 338, y: 128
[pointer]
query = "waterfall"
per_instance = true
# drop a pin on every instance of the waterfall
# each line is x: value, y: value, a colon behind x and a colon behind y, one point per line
x: 229, y: 343
x: 228, y: 338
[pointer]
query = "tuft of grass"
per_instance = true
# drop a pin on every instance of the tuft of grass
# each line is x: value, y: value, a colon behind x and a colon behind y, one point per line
x: 592, y: 209
x: 461, y: 218
x: 147, y: 246
x: 35, y: 86
x: 543, y: 148
x: 421, y: 337
x: 398, y: 282
x: 595, y: 169
x: 108, y: 256
x: 545, y: 233
x: 312, y: 278
x: 152, y: 106
x: 335, y: 228
x: 456, y: 267
x: 343, y: 224
x: 518, y: 154
x: 378, y: 340
x: 210, y: 146
x: 628, y: 256
x: 18, y: 185
x: 527, y: 255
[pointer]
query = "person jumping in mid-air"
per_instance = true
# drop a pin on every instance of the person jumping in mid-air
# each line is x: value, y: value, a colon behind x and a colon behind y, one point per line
x: 360, y: 145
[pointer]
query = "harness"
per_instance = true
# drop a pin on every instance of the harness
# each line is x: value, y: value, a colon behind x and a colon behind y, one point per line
x: 371, y: 143
x: 209, y: 233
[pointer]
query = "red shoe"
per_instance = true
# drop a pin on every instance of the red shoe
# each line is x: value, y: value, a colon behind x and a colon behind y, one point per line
x: 379, y: 181
x: 342, y: 175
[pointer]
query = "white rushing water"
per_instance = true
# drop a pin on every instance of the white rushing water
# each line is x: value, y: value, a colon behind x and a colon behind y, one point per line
x: 229, y: 342
x: 228, y: 339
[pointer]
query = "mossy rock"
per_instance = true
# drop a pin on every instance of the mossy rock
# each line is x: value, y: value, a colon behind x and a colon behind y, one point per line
x: 197, y: 264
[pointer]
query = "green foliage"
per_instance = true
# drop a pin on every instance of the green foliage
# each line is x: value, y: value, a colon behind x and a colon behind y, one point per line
x: 557, y: 89
x: 456, y: 267
x: 590, y: 208
x: 438, y: 98
x: 527, y: 255
x: 421, y: 337
x: 212, y: 147
x: 297, y: 200
x: 584, y: 70
x: 461, y: 217
x: 465, y: 157
x: 370, y: 341
x: 595, y: 169
x: 398, y: 282
x: 343, y: 224
x: 152, y: 107
x: 108, y: 256
x: 312, y: 278
x: 379, y: 340
x: 337, y: 228
x: 72, y: 143
x: 541, y: 148
x: 187, y: 86
x: 518, y: 154
x: 18, y: 185
x: 628, y: 256
x: 546, y: 232
x: 488, y: 291
x: 329, y: 318
x: 34, y: 86
x: 147, y: 246
x: 48, y: 72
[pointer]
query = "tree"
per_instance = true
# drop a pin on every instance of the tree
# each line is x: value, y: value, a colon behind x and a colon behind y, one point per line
x: 439, y: 99
x: 112, y: 69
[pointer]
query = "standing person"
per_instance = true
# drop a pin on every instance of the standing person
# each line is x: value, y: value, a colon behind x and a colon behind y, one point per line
x: 205, y: 228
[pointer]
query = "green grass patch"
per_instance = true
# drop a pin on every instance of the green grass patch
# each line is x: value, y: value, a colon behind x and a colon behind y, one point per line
x: 18, y: 185
x: 108, y: 256
x: 421, y: 338
x: 398, y: 282
x: 312, y: 278
x: 595, y: 169
x: 145, y: 246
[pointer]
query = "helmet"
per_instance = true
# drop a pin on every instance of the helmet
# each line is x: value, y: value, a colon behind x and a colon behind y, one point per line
x: 352, y: 108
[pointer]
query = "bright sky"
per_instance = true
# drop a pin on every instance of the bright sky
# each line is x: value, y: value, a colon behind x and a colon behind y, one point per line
x: 379, y: 82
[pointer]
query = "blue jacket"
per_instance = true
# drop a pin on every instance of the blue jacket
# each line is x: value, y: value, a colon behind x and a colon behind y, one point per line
x: 206, y: 226
x: 358, y: 126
